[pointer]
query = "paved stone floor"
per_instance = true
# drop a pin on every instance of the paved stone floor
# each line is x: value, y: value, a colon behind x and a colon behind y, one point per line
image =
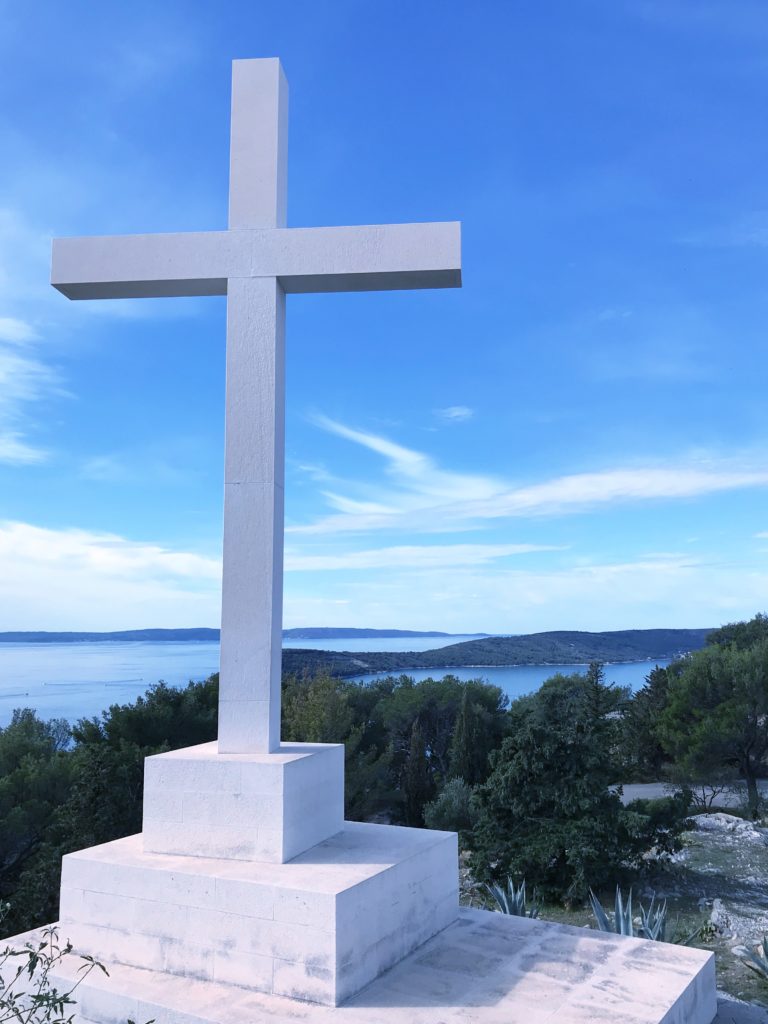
x: 485, y: 969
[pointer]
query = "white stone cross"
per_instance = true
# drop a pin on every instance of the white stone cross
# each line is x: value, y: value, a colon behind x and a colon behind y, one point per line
x: 254, y: 263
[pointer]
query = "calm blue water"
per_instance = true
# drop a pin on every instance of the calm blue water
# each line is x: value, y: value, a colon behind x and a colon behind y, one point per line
x: 79, y: 680
x: 517, y: 680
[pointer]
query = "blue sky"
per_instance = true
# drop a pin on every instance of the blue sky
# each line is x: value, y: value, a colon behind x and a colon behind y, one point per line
x: 575, y: 439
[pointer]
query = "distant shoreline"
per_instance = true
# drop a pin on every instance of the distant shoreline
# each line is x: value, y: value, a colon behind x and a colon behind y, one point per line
x: 209, y: 635
x: 549, y: 649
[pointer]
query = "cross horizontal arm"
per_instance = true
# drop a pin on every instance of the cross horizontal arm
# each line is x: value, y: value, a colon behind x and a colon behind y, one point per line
x: 360, y: 258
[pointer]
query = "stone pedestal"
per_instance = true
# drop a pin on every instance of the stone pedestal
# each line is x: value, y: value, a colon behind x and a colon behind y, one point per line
x: 318, y: 928
x: 246, y: 874
x: 256, y: 807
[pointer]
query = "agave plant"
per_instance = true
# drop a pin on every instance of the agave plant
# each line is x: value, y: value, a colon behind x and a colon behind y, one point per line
x: 757, y: 959
x: 622, y: 916
x: 511, y: 900
x: 654, y: 921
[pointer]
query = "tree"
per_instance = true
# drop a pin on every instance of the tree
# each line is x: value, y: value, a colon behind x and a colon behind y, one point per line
x: 549, y: 811
x: 35, y: 778
x: 469, y: 748
x: 436, y: 705
x: 716, y: 716
x: 417, y: 784
x: 454, y: 809
x: 53, y: 801
x: 323, y: 709
x: 740, y: 634
x: 647, y: 758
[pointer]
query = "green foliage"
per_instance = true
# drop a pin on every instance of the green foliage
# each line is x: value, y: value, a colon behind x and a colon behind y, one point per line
x: 35, y: 780
x: 647, y: 758
x: 741, y: 635
x: 436, y: 705
x: 418, y: 786
x: 53, y: 801
x: 511, y: 900
x: 665, y: 818
x: 27, y: 995
x: 165, y: 718
x: 453, y: 810
x: 549, y: 810
x: 716, y: 716
x: 323, y: 709
x: 468, y: 755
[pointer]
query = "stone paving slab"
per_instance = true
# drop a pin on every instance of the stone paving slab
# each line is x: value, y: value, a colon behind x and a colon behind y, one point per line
x: 734, y: 1011
x: 487, y: 968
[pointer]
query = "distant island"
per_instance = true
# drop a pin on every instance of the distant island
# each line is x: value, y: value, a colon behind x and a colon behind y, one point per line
x: 45, y: 637
x: 210, y: 635
x: 559, y: 647
x: 332, y: 633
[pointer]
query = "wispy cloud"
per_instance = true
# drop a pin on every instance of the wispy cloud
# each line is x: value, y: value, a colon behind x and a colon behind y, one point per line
x: 24, y: 380
x: 411, y: 556
x: 415, y: 472
x: 106, y: 469
x: 636, y: 593
x: 78, y: 579
x: 416, y: 494
x: 455, y: 413
x: 14, y: 330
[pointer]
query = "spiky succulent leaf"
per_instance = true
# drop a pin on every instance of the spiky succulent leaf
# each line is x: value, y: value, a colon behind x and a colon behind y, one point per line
x: 603, y: 923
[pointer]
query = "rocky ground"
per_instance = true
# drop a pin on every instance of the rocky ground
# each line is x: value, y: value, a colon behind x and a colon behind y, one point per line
x: 722, y: 873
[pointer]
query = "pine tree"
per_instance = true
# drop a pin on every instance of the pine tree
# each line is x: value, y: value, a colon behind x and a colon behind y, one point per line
x: 417, y: 785
x: 468, y: 754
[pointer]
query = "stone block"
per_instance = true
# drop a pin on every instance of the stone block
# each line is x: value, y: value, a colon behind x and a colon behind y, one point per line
x: 318, y: 928
x: 258, y: 807
x: 485, y: 968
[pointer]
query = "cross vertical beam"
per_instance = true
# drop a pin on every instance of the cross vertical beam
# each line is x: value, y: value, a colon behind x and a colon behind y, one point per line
x: 258, y: 148
x: 252, y: 582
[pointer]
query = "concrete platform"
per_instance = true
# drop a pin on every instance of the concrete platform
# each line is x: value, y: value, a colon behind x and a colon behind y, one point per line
x: 318, y: 928
x: 486, y: 968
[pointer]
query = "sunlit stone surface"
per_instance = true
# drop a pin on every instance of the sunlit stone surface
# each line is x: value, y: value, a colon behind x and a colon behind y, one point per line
x: 484, y: 969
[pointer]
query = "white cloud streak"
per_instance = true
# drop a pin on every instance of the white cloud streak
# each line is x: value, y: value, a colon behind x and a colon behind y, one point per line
x: 14, y: 330
x: 411, y: 557
x: 78, y: 579
x: 420, y: 496
x: 455, y: 413
x: 24, y: 380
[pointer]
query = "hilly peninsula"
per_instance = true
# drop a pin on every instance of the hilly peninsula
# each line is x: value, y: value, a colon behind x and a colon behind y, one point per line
x: 559, y: 647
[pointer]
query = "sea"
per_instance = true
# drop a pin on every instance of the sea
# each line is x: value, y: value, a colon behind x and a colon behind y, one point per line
x: 80, y: 680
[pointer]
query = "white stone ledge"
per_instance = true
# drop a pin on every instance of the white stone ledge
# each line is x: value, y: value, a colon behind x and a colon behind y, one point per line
x: 329, y: 921
x: 484, y: 969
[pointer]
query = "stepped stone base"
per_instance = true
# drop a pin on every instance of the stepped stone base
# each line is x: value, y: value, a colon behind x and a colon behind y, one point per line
x: 318, y: 928
x: 485, y: 968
